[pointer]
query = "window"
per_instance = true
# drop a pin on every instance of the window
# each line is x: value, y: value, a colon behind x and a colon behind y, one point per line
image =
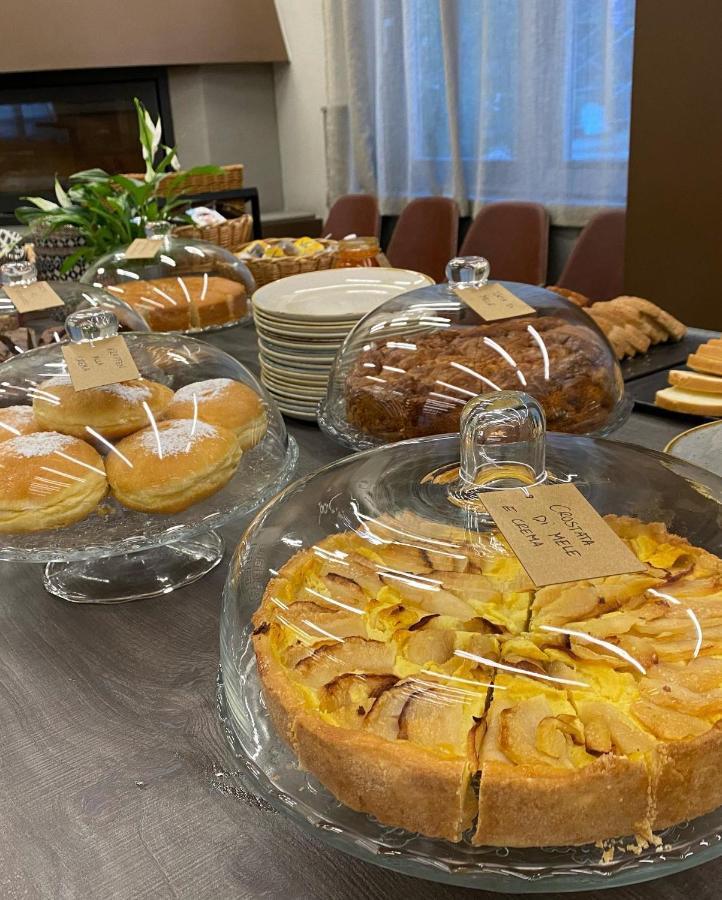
x: 482, y: 99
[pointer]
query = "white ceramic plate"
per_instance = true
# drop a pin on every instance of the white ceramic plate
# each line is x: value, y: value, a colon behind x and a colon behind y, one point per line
x: 294, y: 376
x: 335, y: 293
x: 701, y: 445
x: 325, y: 325
x: 322, y: 348
x: 307, y: 334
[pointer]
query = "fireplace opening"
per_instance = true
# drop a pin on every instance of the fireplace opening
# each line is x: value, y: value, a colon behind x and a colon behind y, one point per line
x: 57, y: 123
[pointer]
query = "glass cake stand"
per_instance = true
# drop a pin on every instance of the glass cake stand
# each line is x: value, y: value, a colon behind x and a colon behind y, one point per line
x: 115, y: 553
x: 415, y: 476
x: 178, y: 283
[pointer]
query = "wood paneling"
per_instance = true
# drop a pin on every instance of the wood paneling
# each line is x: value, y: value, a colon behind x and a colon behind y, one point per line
x: 80, y: 34
x: 674, y: 234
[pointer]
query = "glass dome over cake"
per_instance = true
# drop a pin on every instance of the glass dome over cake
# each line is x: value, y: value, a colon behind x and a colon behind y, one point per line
x: 407, y: 369
x: 177, y: 284
x: 402, y: 679
x: 120, y: 486
x: 37, y: 322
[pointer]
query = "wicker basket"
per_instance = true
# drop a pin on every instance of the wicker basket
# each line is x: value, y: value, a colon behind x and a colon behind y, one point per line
x: 267, y: 270
x: 231, y: 235
x: 229, y: 179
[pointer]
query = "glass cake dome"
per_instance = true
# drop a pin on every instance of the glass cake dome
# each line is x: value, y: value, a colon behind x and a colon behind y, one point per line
x: 395, y: 681
x: 22, y: 331
x: 179, y: 285
x: 407, y: 368
x: 120, y: 488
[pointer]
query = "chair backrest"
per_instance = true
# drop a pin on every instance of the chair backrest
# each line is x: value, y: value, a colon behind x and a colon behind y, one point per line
x: 514, y: 237
x: 595, y: 266
x: 426, y: 236
x: 353, y: 214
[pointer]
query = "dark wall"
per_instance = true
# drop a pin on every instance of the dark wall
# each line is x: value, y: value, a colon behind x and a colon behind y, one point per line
x: 674, y: 205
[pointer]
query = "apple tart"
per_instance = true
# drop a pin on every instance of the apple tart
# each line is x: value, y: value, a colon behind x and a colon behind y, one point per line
x: 415, y: 671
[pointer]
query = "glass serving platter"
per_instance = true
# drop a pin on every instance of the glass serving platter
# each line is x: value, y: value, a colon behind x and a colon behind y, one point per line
x: 688, y: 499
x: 117, y: 553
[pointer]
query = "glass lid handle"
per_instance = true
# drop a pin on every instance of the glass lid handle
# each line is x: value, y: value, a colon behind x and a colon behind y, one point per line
x: 502, y: 444
x: 91, y: 325
x: 467, y: 271
x: 158, y: 230
x: 18, y: 273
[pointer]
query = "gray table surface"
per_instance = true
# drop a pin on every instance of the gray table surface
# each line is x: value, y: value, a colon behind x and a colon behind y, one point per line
x: 112, y: 764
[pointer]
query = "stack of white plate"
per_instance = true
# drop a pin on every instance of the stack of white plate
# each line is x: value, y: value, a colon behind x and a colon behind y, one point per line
x: 302, y: 321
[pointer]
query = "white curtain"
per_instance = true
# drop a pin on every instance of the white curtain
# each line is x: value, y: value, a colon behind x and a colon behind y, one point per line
x: 480, y: 100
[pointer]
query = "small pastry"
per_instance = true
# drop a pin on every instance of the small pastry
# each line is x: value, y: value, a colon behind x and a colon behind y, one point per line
x: 168, y: 469
x: 222, y: 401
x: 48, y: 480
x: 15, y: 420
x: 574, y: 296
x: 113, y: 410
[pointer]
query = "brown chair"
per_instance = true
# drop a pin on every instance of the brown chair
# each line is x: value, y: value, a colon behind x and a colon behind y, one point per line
x: 353, y: 214
x: 514, y: 237
x: 595, y: 266
x: 426, y: 236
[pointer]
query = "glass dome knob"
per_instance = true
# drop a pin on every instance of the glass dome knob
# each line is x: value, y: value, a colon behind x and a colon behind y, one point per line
x: 158, y: 230
x: 91, y: 325
x: 467, y: 271
x: 18, y: 273
x: 502, y: 445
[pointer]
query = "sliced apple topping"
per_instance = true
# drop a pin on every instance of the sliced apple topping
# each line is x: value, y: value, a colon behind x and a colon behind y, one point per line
x: 383, y: 717
x: 605, y: 723
x: 405, y: 558
x: 350, y: 696
x: 694, y: 688
x: 355, y: 654
x: 519, y: 727
x: 562, y: 604
x: 440, y: 717
x: 429, y: 646
x: 428, y: 594
x: 667, y: 724
x: 311, y: 622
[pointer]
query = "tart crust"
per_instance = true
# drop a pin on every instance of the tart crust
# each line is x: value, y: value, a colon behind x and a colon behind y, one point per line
x: 407, y: 785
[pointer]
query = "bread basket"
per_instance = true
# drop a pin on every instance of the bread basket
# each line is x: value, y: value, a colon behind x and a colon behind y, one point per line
x: 231, y: 235
x: 267, y: 269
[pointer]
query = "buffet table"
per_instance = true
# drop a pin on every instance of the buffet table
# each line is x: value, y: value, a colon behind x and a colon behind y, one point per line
x: 115, y: 777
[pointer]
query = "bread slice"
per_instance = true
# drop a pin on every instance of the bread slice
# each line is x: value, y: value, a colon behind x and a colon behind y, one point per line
x: 696, y: 402
x: 710, y: 350
x: 630, y: 314
x: 711, y: 365
x: 674, y: 328
x: 695, y: 381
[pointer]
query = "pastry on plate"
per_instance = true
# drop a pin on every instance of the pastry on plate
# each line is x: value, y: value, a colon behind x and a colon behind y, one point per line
x: 576, y: 298
x: 403, y: 389
x: 113, y: 410
x: 48, y: 480
x: 15, y: 420
x: 422, y: 679
x: 225, y: 402
x: 167, y: 468
x: 188, y: 301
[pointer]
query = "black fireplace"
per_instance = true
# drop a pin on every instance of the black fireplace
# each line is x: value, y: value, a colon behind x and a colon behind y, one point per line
x: 56, y: 123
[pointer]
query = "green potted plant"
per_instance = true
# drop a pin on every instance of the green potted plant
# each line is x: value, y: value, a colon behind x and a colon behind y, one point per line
x: 99, y: 212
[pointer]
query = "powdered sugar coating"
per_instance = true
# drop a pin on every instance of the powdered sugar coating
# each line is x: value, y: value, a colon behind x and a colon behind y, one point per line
x: 204, y: 390
x: 42, y: 443
x: 17, y: 415
x: 131, y: 393
x: 176, y: 437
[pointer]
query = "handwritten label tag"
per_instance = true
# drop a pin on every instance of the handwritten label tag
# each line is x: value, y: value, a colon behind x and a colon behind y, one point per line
x: 493, y: 302
x: 32, y: 297
x: 95, y: 363
x: 558, y: 536
x: 143, y: 248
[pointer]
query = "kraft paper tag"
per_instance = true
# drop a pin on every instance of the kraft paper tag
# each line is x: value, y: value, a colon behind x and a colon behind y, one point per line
x: 493, y: 302
x: 95, y: 363
x: 32, y: 297
x: 558, y: 536
x: 143, y: 248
